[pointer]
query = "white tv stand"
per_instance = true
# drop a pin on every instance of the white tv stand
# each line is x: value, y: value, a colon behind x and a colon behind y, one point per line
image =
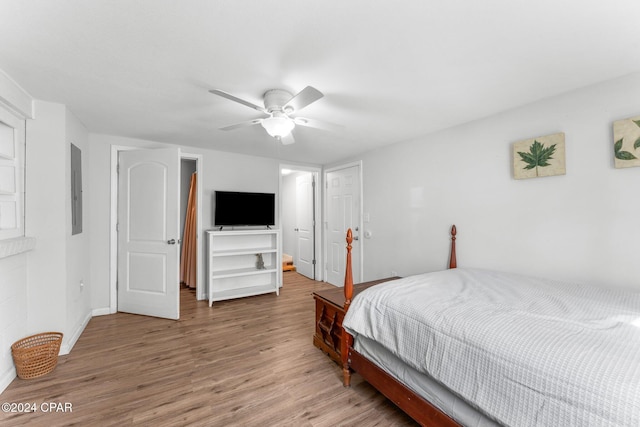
x: 233, y: 263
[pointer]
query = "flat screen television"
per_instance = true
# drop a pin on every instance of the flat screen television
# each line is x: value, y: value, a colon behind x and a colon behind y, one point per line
x: 234, y: 208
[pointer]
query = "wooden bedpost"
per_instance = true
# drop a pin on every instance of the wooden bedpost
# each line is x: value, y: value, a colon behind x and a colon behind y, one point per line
x: 452, y: 257
x: 347, y: 339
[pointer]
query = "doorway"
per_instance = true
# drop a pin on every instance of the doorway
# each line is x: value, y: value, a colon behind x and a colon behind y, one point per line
x: 188, y: 219
x: 300, y: 219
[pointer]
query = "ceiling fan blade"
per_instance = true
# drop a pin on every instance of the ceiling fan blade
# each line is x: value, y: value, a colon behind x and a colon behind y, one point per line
x: 242, y: 125
x: 303, y: 98
x: 318, y: 124
x: 287, y: 140
x: 238, y: 100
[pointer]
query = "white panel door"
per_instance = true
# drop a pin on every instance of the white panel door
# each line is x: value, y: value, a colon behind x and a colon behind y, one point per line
x: 343, y: 212
x: 305, y: 255
x: 148, y: 249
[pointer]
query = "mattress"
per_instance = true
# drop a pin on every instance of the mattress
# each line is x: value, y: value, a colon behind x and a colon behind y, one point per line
x: 523, y: 351
x: 423, y: 384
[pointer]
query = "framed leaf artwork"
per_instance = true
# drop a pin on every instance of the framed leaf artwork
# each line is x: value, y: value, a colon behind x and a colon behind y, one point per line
x: 626, y: 142
x: 536, y: 157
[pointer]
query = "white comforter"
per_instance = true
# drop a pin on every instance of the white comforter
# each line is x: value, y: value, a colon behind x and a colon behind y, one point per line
x: 525, y: 351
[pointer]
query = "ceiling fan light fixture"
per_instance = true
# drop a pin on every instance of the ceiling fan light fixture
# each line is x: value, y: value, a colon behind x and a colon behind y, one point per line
x: 278, y: 126
x: 279, y: 104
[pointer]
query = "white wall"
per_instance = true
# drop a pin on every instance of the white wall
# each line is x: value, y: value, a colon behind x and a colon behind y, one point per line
x: 583, y: 226
x: 78, y: 285
x: 13, y: 311
x: 221, y: 171
x: 46, y: 217
x: 60, y: 261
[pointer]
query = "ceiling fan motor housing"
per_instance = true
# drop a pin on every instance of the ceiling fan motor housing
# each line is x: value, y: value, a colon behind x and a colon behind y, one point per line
x: 275, y: 99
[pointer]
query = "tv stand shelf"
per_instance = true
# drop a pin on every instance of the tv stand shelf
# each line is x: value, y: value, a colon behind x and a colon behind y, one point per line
x: 244, y: 251
x: 241, y: 272
x: 233, y: 263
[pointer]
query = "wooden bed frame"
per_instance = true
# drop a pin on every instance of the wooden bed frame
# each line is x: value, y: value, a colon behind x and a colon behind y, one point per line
x: 415, y: 406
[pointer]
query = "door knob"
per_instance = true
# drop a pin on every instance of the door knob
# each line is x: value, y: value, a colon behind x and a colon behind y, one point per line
x: 171, y: 242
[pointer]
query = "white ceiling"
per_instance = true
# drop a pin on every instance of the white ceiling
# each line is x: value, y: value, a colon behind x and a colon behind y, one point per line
x: 390, y: 70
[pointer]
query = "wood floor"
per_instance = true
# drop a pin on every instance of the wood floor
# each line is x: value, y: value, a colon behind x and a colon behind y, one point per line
x: 245, y: 362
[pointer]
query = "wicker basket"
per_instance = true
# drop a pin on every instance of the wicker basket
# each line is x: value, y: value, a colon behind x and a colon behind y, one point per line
x: 36, y: 355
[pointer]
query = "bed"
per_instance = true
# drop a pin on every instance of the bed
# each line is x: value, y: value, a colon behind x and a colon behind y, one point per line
x: 477, y: 347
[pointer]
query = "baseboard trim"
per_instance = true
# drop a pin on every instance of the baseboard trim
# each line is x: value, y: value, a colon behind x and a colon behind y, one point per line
x: 101, y: 311
x: 7, y: 378
x: 68, y: 345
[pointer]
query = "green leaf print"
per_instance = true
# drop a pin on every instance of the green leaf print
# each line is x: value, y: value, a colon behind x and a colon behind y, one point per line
x: 538, y: 156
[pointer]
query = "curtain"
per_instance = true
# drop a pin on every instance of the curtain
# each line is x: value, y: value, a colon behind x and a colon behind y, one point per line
x: 188, y: 258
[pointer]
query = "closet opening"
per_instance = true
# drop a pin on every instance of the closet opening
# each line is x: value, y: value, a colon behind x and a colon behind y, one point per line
x: 188, y: 224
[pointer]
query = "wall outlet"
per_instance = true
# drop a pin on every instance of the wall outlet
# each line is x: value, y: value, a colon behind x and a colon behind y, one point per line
x: 394, y: 273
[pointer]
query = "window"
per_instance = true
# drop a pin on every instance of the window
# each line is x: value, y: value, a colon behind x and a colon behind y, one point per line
x: 12, y: 155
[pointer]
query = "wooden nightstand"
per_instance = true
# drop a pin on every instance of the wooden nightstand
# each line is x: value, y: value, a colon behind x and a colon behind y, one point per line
x: 329, y: 315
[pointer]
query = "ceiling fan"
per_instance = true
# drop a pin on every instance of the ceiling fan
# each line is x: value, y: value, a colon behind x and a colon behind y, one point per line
x: 279, y: 105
